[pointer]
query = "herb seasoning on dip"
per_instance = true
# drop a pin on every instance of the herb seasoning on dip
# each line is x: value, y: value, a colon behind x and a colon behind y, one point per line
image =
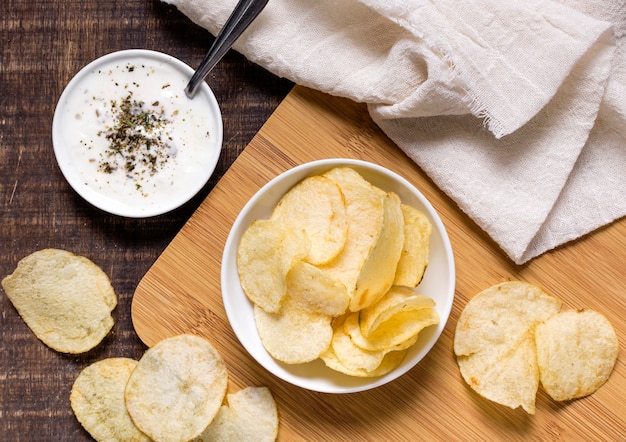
x: 139, y: 140
x: 129, y: 140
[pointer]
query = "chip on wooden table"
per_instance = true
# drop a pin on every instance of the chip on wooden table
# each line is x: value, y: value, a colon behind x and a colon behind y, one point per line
x: 265, y: 254
x: 317, y: 206
x: 97, y: 399
x: 494, y: 342
x: 177, y: 388
x: 501, y: 313
x: 65, y: 299
x: 576, y: 353
x: 509, y: 379
x: 249, y: 415
x: 415, y: 251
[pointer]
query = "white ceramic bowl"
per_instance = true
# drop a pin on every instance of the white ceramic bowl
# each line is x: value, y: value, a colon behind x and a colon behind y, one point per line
x: 85, y: 112
x: 438, y: 282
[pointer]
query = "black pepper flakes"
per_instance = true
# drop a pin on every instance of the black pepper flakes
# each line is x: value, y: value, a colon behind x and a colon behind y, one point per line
x: 139, y: 142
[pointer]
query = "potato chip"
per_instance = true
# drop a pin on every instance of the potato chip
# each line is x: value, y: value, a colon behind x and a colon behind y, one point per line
x: 368, y: 261
x: 501, y: 314
x: 177, y: 388
x: 576, y: 353
x: 391, y: 361
x: 250, y: 415
x: 314, y: 290
x: 399, y: 331
x: 494, y: 342
x: 65, y: 299
x: 365, y: 212
x: 351, y: 356
x: 266, y: 253
x: 415, y: 250
x: 397, y: 299
x: 97, y: 399
x: 316, y: 205
x: 379, y: 269
x: 355, y: 358
x: 293, y: 335
x: 509, y: 378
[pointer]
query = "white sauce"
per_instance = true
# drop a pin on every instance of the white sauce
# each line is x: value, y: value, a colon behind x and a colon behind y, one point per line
x: 184, y: 142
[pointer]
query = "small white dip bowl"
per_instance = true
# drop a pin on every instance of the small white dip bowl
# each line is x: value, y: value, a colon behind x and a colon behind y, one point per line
x: 115, y: 161
x: 438, y: 281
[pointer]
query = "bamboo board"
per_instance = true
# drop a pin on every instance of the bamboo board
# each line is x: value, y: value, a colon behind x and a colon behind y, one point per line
x: 181, y: 293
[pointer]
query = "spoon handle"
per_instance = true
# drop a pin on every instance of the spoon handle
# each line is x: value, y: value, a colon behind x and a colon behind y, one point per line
x: 244, y: 13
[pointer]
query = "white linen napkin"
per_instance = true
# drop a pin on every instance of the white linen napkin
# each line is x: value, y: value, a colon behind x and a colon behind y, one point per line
x: 516, y: 110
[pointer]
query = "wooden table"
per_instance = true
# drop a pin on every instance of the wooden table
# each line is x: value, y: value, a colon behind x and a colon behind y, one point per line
x: 43, y: 44
x: 182, y: 292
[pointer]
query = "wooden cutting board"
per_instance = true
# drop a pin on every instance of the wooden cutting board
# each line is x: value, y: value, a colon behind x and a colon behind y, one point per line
x: 181, y: 293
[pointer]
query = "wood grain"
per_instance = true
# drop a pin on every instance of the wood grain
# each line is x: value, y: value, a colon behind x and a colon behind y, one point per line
x: 43, y: 43
x: 181, y: 293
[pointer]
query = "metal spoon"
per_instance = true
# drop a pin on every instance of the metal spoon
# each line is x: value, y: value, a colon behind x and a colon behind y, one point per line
x: 244, y: 13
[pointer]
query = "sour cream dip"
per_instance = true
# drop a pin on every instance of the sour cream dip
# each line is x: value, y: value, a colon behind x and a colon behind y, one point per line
x: 129, y: 140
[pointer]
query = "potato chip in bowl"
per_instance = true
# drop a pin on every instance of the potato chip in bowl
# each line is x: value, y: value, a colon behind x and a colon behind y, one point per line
x: 338, y: 276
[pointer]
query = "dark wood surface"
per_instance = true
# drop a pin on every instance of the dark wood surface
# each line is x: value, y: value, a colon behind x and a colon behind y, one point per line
x: 42, y: 45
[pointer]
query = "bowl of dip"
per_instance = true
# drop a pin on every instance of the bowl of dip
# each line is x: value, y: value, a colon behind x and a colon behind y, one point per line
x: 128, y: 139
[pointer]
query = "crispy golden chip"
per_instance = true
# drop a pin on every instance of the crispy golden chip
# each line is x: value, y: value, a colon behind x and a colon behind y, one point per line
x: 576, y: 353
x: 352, y: 357
x: 316, y: 205
x: 389, y: 363
x: 379, y: 269
x: 414, y: 257
x: 357, y: 359
x: 177, y: 388
x: 509, y: 378
x: 65, y: 299
x: 293, y: 335
x: 250, y: 415
x: 368, y: 261
x: 397, y: 299
x: 399, y: 331
x: 365, y: 212
x: 494, y: 342
x: 501, y: 314
x: 314, y: 290
x: 265, y: 255
x: 97, y: 399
